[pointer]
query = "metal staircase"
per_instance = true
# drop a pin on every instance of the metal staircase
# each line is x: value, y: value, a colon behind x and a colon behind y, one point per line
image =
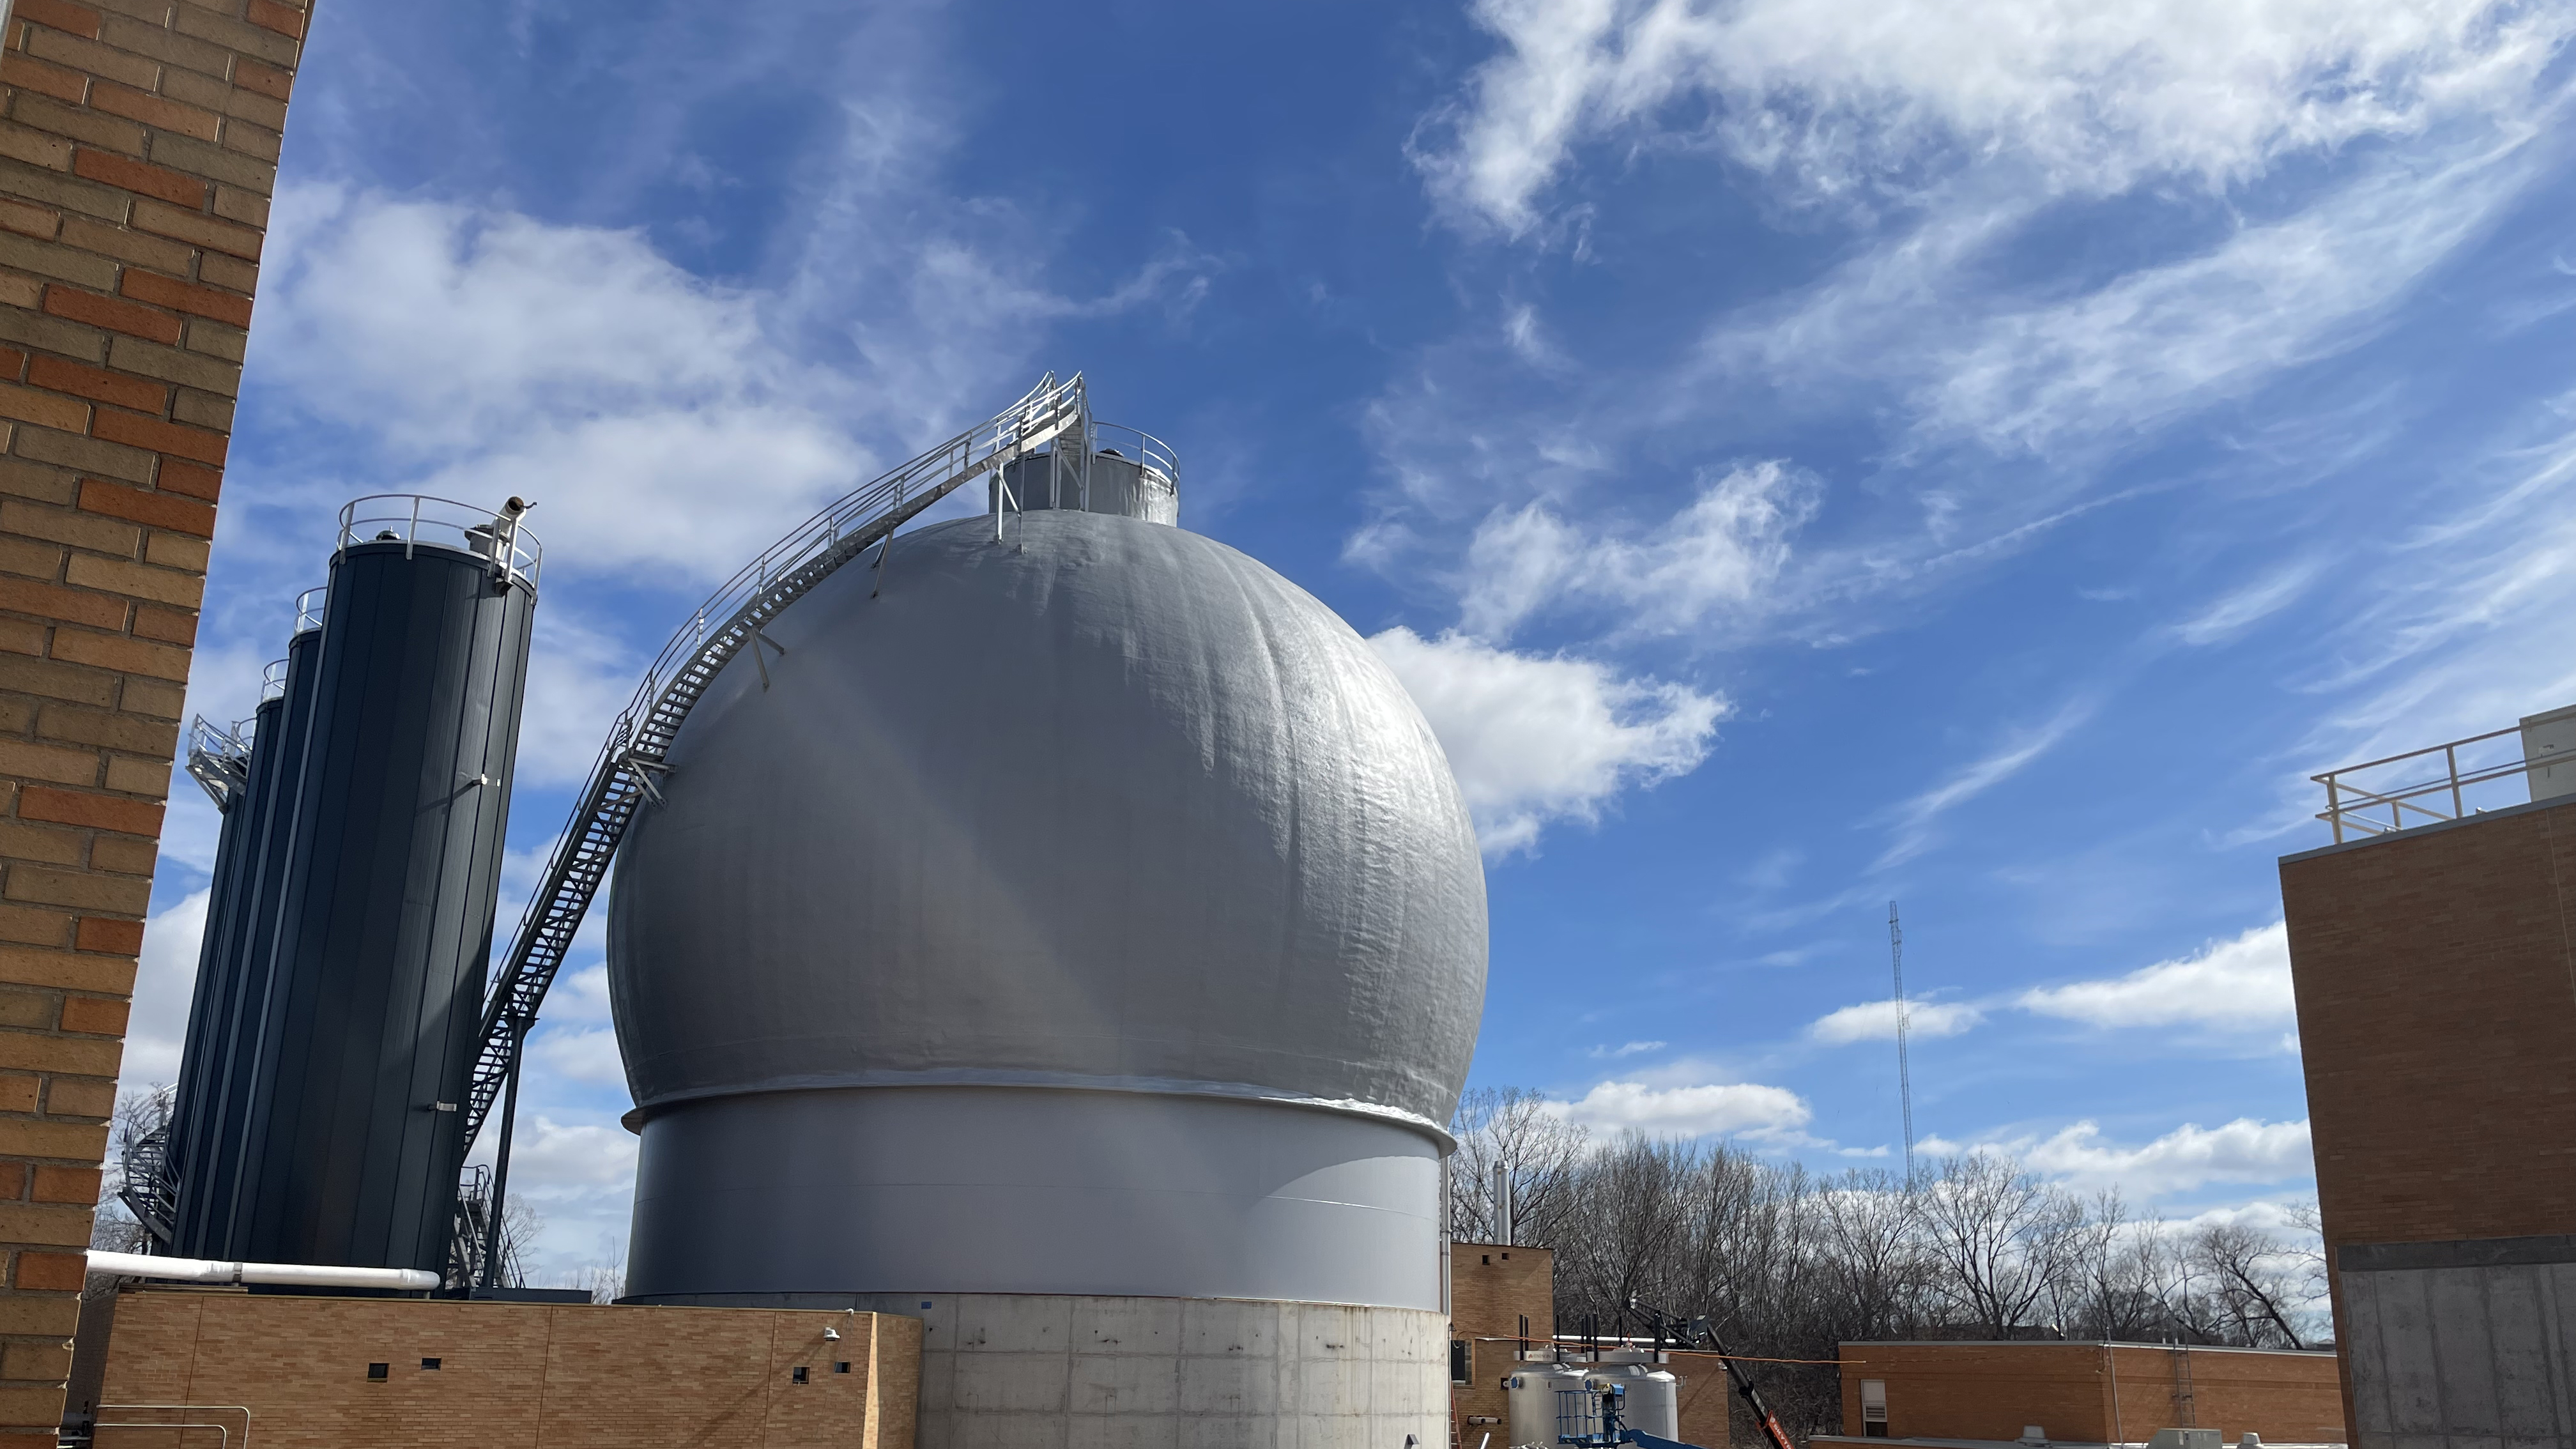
x: 724, y: 626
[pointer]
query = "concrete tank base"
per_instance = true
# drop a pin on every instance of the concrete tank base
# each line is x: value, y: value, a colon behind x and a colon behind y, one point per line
x: 1055, y: 1371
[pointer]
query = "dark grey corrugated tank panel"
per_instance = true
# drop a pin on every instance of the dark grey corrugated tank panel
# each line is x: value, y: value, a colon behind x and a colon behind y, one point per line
x: 210, y: 1170
x: 394, y: 868
x: 1121, y: 807
x: 213, y: 1007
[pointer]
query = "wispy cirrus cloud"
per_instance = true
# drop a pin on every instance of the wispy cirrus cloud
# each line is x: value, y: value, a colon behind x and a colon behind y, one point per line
x: 1844, y: 97
x: 1912, y: 823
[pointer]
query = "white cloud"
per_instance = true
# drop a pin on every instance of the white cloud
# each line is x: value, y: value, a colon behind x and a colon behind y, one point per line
x: 2161, y: 340
x: 1915, y: 818
x: 488, y: 353
x: 1876, y: 1021
x: 1740, y: 1108
x: 1719, y: 553
x: 570, y: 1157
x: 579, y: 677
x: 2245, y: 607
x: 165, y: 983
x: 1634, y: 1048
x: 581, y: 1055
x: 1845, y: 96
x: 2238, y: 984
x: 2186, y: 1158
x: 1537, y: 738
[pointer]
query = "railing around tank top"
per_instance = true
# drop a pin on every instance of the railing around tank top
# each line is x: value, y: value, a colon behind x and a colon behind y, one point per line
x: 412, y: 519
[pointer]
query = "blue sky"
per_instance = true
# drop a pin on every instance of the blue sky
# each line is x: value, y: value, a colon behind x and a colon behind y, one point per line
x: 1802, y: 454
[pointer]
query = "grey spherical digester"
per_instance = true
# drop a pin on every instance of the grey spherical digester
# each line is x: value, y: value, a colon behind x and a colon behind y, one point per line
x: 1105, y: 812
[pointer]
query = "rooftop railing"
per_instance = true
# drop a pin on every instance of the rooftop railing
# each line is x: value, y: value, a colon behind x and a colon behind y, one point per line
x: 412, y: 519
x: 2449, y: 781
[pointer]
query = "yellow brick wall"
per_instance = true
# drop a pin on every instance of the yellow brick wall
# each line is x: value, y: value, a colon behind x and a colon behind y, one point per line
x: 1490, y: 1288
x: 1990, y: 1390
x: 546, y: 1376
x: 138, y: 147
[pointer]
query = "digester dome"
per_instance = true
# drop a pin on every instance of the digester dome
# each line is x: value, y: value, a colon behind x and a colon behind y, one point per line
x: 1108, y: 804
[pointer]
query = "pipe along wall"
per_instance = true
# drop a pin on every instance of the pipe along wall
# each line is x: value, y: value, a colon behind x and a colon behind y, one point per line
x: 319, y: 1113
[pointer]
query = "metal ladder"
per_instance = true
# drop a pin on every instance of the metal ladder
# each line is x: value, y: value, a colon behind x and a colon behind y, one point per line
x: 724, y: 626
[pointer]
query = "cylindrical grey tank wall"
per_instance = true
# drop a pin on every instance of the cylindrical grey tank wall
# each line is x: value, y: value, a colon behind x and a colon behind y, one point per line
x: 208, y: 1143
x: 1123, y: 487
x: 395, y: 865
x: 1026, y: 1190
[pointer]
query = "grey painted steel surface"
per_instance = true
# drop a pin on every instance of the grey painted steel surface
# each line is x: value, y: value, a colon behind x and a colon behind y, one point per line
x: 999, y: 1190
x: 1124, y: 487
x: 1090, y: 913
x: 2462, y: 1357
x: 392, y: 874
x: 1105, y: 805
x: 210, y: 1141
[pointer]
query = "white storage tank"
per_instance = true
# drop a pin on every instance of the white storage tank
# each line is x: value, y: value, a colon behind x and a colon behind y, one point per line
x: 1531, y: 1394
x: 1653, y: 1399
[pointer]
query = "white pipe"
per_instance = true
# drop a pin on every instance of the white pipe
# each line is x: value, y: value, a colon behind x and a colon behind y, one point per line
x: 293, y: 1275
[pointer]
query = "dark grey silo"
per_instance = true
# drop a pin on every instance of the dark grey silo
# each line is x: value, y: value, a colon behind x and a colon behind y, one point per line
x: 211, y: 1013
x: 394, y: 862
x: 218, y: 1079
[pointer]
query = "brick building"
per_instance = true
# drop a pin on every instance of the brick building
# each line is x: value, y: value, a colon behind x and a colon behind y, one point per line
x: 1493, y: 1290
x: 138, y: 149
x: 2436, y: 981
x: 2086, y: 1393
x: 325, y: 1373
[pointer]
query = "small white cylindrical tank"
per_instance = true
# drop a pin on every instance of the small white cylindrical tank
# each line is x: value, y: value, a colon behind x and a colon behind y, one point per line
x: 1531, y: 1395
x: 1653, y: 1399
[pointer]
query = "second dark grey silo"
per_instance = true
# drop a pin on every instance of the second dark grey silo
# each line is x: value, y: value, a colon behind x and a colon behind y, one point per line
x: 238, y: 782
x: 227, y: 1025
x: 393, y: 870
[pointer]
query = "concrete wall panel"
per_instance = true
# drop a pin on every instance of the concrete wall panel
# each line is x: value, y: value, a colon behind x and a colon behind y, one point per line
x: 2460, y: 1355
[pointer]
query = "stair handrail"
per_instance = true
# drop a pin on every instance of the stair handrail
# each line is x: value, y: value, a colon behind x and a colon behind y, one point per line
x: 722, y: 627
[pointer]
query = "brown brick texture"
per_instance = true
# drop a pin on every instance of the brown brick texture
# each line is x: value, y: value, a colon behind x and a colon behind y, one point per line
x: 2436, y: 987
x: 1490, y: 1288
x: 138, y: 149
x: 547, y: 1376
x: 2092, y: 1392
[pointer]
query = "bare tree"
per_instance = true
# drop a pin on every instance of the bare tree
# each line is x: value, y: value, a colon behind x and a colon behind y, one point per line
x: 1628, y: 1226
x: 606, y: 1281
x: 1517, y: 1131
x: 2252, y: 1284
x: 1873, y: 1265
x: 138, y: 1115
x: 2000, y: 1236
x: 520, y: 1225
